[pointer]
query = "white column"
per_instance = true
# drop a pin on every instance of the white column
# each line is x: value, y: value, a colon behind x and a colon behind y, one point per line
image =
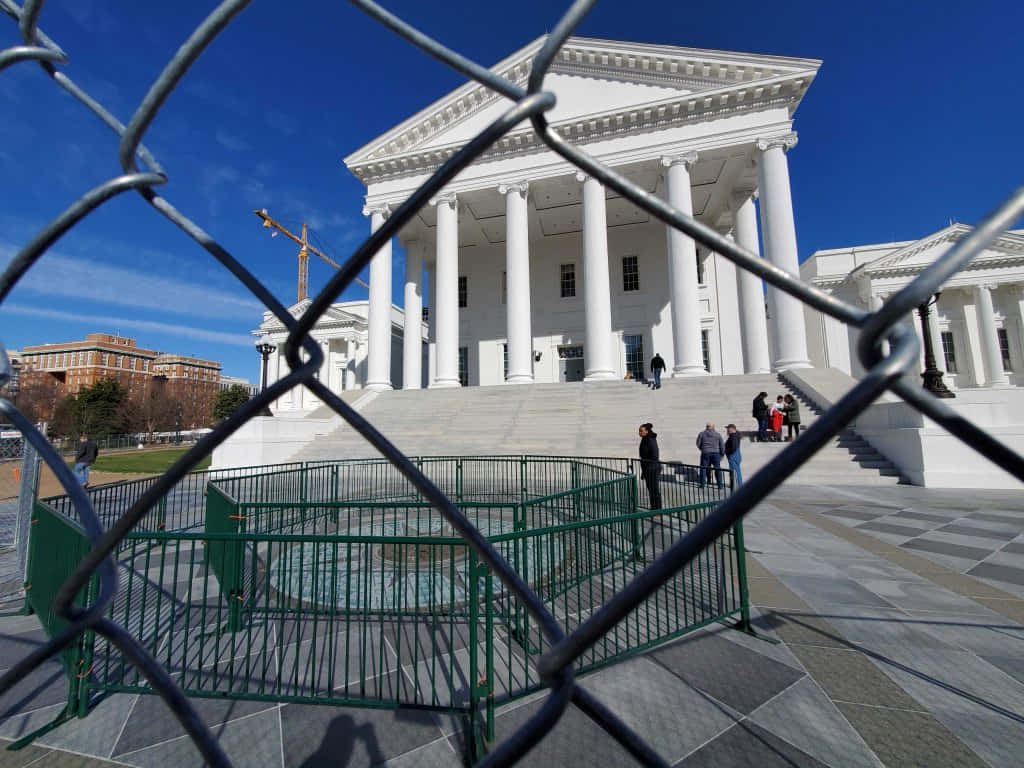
x: 412, y: 333
x: 683, y: 289
x: 597, y: 302
x: 517, y: 274
x: 351, y: 375
x: 779, y: 233
x: 447, y: 292
x: 936, y: 334
x: 753, y: 324
x: 995, y: 376
x: 275, y: 374
x: 1020, y: 320
x: 378, y: 370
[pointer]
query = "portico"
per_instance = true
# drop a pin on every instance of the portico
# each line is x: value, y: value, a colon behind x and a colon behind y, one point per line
x: 532, y: 266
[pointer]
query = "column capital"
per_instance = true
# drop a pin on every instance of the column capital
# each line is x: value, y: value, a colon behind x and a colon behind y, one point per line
x: 986, y: 287
x: 445, y: 198
x: 686, y: 159
x: 787, y: 142
x: 522, y: 187
x: 384, y: 209
x: 581, y: 176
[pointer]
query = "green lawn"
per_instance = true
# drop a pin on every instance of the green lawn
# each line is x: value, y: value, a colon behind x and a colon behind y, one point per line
x: 147, y: 462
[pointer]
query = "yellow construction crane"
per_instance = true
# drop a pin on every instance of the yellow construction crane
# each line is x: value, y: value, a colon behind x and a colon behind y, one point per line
x: 304, y: 250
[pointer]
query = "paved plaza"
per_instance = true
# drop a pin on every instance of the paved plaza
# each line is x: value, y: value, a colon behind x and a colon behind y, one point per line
x: 898, y: 616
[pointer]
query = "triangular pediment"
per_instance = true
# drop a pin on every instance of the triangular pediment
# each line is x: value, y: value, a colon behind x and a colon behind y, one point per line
x: 334, y: 315
x: 1008, y: 248
x: 602, y: 87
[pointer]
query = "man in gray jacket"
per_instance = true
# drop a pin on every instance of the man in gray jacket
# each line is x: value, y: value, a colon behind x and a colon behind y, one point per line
x: 711, y: 447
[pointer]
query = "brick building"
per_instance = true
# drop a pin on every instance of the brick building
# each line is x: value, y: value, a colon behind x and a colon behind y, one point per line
x: 70, y: 366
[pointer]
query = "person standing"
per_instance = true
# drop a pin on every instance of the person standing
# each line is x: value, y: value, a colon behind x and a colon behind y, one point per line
x: 732, y: 454
x: 792, y: 411
x: 711, y: 447
x: 650, y: 463
x: 85, y: 458
x: 657, y: 366
x: 760, y: 413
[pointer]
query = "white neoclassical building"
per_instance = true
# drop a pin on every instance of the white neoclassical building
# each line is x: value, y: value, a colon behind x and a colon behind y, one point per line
x: 535, y: 272
x: 343, y: 335
x: 976, y: 326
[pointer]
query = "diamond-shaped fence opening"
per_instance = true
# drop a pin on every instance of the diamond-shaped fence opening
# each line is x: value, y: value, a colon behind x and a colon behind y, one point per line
x: 144, y: 174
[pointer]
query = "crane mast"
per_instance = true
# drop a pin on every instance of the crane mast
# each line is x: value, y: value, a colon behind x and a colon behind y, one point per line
x: 305, y: 249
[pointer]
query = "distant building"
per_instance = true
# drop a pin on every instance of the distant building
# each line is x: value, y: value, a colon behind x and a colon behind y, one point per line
x: 72, y: 365
x: 227, y: 382
x: 14, y: 357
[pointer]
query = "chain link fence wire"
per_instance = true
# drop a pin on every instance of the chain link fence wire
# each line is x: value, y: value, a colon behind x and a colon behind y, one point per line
x: 143, y: 173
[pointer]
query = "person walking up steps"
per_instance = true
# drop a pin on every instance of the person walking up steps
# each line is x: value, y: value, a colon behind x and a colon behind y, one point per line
x: 657, y: 366
x: 650, y: 463
x: 732, y: 453
x: 711, y: 447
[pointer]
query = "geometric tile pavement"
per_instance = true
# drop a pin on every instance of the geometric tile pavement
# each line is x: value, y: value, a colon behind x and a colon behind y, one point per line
x: 894, y: 645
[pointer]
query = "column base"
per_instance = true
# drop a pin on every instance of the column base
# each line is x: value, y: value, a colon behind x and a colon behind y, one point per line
x: 756, y: 371
x: 687, y: 371
x: 600, y: 376
x: 998, y: 385
x: 415, y: 386
x: 521, y: 378
x: 446, y: 384
x: 785, y: 365
x: 379, y: 386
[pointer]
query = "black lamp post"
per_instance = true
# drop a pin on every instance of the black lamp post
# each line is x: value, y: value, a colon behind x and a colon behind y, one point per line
x: 264, y: 347
x: 932, y: 375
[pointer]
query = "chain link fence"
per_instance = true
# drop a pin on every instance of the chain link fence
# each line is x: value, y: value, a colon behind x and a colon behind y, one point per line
x: 886, y: 347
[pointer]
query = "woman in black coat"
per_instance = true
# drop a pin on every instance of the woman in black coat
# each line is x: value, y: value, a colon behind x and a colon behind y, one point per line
x: 650, y: 463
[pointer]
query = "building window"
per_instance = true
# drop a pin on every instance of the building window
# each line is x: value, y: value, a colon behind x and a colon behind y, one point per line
x: 705, y: 349
x: 700, y: 270
x: 634, y: 355
x: 630, y: 274
x: 464, y: 366
x: 81, y: 358
x: 949, y: 351
x: 1004, y: 348
x: 504, y: 356
x: 568, y: 281
x: 131, y: 363
x: 463, y: 293
x: 504, y: 287
x: 104, y: 358
x: 425, y: 314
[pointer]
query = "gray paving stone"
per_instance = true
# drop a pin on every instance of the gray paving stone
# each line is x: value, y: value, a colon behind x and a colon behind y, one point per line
x: 923, y: 597
x: 22, y: 757
x: 95, y: 734
x: 902, y: 738
x: 1011, y: 520
x: 927, y: 517
x: 897, y: 530
x: 854, y: 514
x: 1013, y: 665
x: 438, y: 754
x: 151, y: 722
x: 42, y: 687
x: 999, y: 573
x: 992, y: 635
x: 997, y: 739
x: 322, y: 737
x: 745, y: 744
x: 848, y: 675
x: 574, y: 740
x: 254, y: 742
x: 804, y: 716
x: 735, y: 675
x: 1014, y: 547
x: 796, y: 627
x: 672, y: 716
x: 944, y: 548
x: 831, y: 593
x: 977, y: 532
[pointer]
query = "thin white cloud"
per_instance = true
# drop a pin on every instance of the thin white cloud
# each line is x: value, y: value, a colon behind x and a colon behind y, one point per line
x: 86, y: 280
x: 171, y: 329
x: 230, y: 142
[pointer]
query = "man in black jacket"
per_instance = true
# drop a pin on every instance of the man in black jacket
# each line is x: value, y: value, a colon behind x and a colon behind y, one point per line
x: 733, y: 455
x: 760, y: 412
x: 657, y: 366
x: 650, y: 463
x: 85, y: 458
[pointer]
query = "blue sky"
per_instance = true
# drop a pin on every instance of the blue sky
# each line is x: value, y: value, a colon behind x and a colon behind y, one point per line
x: 915, y: 119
